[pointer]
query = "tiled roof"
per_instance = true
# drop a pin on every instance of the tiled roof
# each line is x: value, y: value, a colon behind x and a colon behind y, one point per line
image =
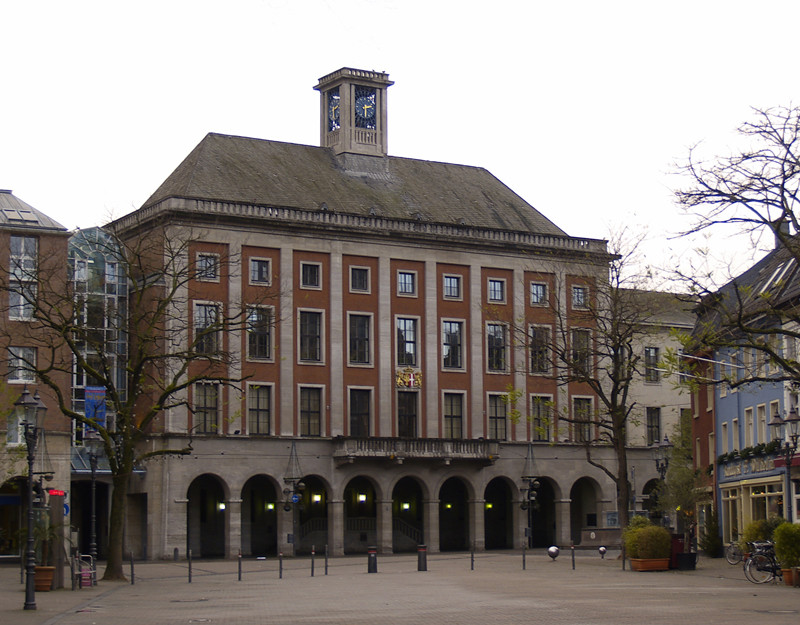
x: 254, y: 171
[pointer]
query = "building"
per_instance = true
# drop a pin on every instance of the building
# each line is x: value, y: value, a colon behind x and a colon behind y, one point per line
x: 744, y: 388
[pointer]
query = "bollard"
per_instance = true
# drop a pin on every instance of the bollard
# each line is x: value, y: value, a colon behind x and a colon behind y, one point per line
x: 280, y: 565
x: 326, y: 559
x: 313, y: 552
x: 572, y: 547
x: 372, y: 559
x: 622, y: 549
x: 472, y: 559
x: 240, y: 565
x: 175, y: 554
x: 189, y: 559
x: 524, y: 549
x: 133, y: 578
x: 422, y: 558
x: 72, y: 571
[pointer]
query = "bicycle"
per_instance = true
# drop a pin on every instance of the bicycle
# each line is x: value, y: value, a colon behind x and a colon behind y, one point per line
x: 761, y: 566
x: 733, y: 553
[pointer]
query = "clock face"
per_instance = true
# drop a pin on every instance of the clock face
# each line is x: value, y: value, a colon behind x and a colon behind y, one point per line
x: 333, y: 109
x: 365, y: 107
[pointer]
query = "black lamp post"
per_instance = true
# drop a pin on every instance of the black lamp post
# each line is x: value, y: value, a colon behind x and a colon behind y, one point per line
x: 661, y: 456
x: 787, y: 450
x: 95, y: 447
x: 33, y: 411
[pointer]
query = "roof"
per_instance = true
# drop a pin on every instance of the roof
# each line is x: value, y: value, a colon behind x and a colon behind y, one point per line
x: 667, y: 309
x: 17, y: 214
x: 243, y: 170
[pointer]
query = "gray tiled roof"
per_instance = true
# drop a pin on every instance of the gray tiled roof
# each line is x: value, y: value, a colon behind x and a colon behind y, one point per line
x: 255, y: 171
x: 18, y: 214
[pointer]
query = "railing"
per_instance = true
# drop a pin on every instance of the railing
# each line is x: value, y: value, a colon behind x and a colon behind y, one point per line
x: 402, y: 448
x: 406, y: 529
x: 317, y: 524
x: 334, y: 218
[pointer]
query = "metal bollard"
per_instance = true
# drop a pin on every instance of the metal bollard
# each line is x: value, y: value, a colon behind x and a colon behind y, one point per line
x: 472, y: 559
x: 313, y: 552
x: 572, y: 546
x: 326, y: 559
x: 524, y: 551
x: 240, y: 565
x: 372, y: 559
x: 422, y: 558
x: 133, y: 578
x: 189, y: 559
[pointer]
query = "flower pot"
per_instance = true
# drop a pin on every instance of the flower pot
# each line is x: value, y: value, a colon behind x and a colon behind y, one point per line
x: 650, y: 564
x: 43, y: 577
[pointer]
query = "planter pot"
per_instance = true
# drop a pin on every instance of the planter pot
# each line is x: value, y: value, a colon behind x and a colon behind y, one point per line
x: 789, y: 576
x: 650, y: 564
x: 43, y: 578
x: 686, y: 561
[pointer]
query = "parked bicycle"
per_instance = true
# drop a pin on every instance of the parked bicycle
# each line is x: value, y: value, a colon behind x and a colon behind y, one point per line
x: 761, y: 566
x: 733, y: 553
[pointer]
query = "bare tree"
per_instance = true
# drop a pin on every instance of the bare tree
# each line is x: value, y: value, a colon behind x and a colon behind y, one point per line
x: 142, y: 347
x: 754, y: 190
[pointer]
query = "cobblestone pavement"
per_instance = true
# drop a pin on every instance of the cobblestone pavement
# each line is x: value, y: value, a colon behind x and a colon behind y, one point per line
x: 497, y: 591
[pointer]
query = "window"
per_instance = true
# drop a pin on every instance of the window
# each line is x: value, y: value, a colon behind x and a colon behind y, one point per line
x: 360, y: 400
x: 496, y: 346
x: 761, y: 416
x: 22, y: 277
x: 310, y: 275
x: 310, y: 411
x: 407, y: 414
x: 651, y: 372
x: 310, y: 336
x: 206, y: 328
x: 653, y: 425
x: 582, y: 419
x: 15, y: 432
x: 206, y: 407
x: 453, y: 415
x: 538, y: 294
x: 260, y: 271
x: 208, y: 267
x: 748, y: 427
x: 21, y: 365
x: 259, y: 332
x: 406, y: 342
x: 581, y: 352
x: 540, y: 349
x: 497, y: 417
x: 406, y: 283
x: 736, y: 435
x: 724, y: 436
x: 541, y: 417
x: 452, y: 339
x: 452, y: 287
x: 580, y: 297
x: 259, y: 405
x: 497, y: 290
x: 359, y: 353
x: 359, y: 279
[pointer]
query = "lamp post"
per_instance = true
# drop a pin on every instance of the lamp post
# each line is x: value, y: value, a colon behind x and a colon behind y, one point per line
x: 33, y: 411
x: 787, y: 450
x: 95, y: 448
x: 661, y: 456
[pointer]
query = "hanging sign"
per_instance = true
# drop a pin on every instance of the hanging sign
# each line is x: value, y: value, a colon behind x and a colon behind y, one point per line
x: 95, y: 404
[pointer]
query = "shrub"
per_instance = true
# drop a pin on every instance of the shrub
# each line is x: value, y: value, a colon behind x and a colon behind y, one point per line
x: 710, y: 541
x: 787, y: 544
x: 760, y: 530
x: 644, y: 540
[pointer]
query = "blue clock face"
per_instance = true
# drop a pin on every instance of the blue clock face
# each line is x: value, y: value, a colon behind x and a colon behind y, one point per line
x: 365, y: 107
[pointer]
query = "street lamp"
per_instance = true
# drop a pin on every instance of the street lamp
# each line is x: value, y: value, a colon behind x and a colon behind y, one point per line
x: 531, y: 492
x: 787, y: 449
x: 32, y: 415
x: 661, y: 452
x: 94, y: 445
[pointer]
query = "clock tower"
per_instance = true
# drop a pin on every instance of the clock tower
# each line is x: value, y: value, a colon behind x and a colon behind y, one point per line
x: 353, y: 111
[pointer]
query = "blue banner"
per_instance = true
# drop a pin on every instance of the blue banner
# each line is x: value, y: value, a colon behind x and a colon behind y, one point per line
x: 95, y: 404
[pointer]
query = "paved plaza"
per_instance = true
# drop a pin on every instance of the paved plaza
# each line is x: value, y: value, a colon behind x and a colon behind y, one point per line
x: 496, y: 591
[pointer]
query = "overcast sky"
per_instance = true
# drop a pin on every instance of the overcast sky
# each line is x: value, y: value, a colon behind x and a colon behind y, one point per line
x: 580, y: 107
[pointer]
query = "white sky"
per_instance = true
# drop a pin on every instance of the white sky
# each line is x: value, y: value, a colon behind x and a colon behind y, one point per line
x: 580, y: 107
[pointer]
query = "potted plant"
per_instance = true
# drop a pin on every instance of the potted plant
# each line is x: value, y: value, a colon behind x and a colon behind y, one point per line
x: 647, y: 545
x: 787, y: 549
x: 46, y: 537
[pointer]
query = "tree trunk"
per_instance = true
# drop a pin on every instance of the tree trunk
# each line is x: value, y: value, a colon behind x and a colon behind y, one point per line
x: 116, y: 529
x: 623, y: 485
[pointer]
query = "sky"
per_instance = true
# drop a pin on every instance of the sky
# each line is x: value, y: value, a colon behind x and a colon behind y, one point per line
x: 583, y: 108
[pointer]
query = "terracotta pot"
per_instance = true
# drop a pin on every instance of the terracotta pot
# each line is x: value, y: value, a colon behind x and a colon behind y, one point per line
x: 788, y: 576
x: 650, y: 564
x: 43, y: 577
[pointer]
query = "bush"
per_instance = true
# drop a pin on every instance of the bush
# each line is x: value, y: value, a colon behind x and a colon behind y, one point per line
x: 644, y: 540
x: 787, y: 544
x: 710, y: 541
x: 760, y: 530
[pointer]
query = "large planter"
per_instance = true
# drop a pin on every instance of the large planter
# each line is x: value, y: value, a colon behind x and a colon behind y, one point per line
x: 43, y: 578
x: 650, y: 564
x: 788, y: 576
x: 686, y: 561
